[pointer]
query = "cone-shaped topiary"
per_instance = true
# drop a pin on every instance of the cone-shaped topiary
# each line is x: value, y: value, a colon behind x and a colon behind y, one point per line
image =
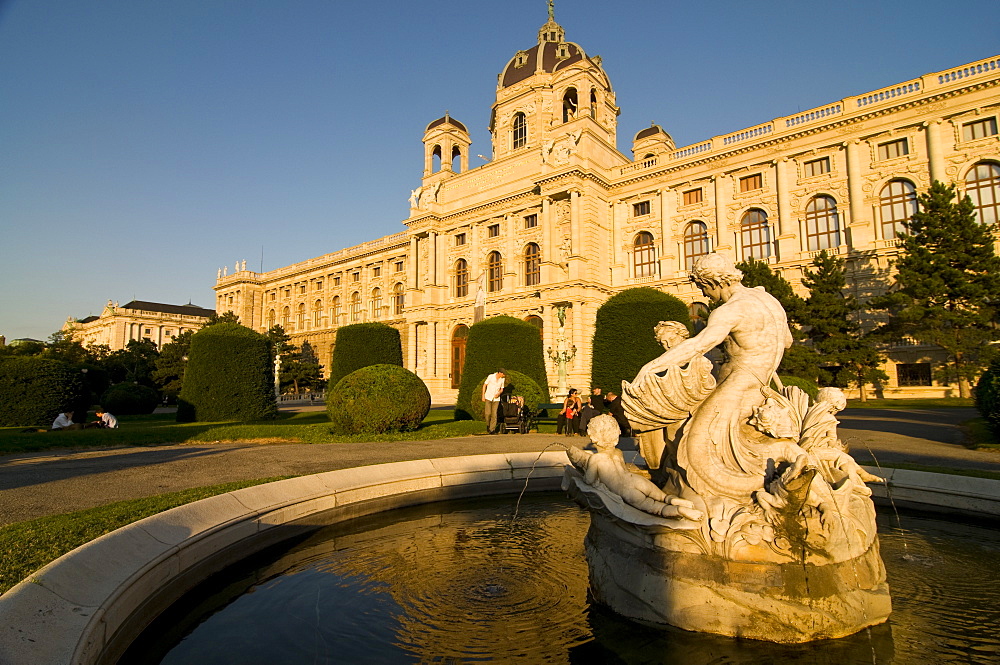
x: 623, y: 334
x: 130, y: 399
x: 376, y: 399
x: 519, y: 384
x: 229, y: 376
x: 33, y: 391
x: 362, y: 344
x: 500, y: 341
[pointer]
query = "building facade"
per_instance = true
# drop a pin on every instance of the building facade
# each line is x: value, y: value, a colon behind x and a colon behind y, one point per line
x: 559, y: 220
x: 136, y: 320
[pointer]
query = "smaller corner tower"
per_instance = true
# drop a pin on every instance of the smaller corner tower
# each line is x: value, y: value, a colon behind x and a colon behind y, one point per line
x: 446, y: 147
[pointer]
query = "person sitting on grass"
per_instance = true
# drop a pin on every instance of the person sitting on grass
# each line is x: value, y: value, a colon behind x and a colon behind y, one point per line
x: 105, y: 420
x: 64, y: 421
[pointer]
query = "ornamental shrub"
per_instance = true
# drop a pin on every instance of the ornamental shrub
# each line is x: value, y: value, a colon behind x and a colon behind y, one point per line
x: 988, y: 396
x: 623, y: 334
x: 362, y: 344
x: 229, y: 376
x: 33, y: 391
x: 808, y: 387
x: 500, y: 341
x: 519, y: 384
x: 130, y: 399
x: 377, y: 399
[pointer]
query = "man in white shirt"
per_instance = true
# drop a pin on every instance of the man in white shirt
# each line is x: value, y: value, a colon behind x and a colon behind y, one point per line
x: 492, y: 388
x: 65, y: 421
x: 105, y: 420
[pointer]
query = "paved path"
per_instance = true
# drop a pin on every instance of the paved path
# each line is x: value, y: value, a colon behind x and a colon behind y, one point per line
x: 37, y: 484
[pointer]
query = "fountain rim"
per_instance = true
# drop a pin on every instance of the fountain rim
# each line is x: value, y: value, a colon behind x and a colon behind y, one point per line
x: 87, y: 606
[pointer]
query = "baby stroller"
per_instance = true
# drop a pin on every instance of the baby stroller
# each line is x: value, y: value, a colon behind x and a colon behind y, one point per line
x: 514, y: 414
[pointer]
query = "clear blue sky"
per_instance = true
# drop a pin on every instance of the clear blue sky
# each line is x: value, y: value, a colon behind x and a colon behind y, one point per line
x: 144, y: 145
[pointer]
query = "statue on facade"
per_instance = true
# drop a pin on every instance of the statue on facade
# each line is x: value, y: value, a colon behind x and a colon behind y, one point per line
x: 415, y: 197
x: 773, y: 486
x: 218, y: 274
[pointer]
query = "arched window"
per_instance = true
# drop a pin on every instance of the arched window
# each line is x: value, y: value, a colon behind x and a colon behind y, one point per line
x: 376, y: 304
x: 397, y: 299
x: 355, y: 307
x: 898, y: 202
x: 982, y: 184
x: 537, y: 322
x: 695, y: 243
x: 494, y: 266
x: 593, y: 103
x: 569, y: 105
x: 532, y: 265
x: 336, y: 310
x: 286, y: 319
x: 519, y: 130
x: 822, y: 223
x: 756, y: 234
x: 271, y: 319
x: 456, y: 159
x: 458, y: 339
x: 436, y: 159
x: 317, y: 314
x: 300, y: 319
x: 461, y: 278
x: 644, y: 255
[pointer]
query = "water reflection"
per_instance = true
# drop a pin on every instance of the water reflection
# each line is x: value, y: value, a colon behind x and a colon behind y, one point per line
x: 457, y: 582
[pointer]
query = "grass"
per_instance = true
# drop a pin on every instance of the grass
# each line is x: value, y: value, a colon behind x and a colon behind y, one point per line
x: 947, y: 470
x: 27, y: 546
x: 979, y: 436
x: 161, y: 429
x: 916, y: 403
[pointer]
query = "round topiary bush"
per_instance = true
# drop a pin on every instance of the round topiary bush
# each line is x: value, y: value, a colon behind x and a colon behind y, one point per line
x: 229, y: 376
x: 33, y: 391
x: 519, y: 384
x: 500, y: 341
x: 376, y: 399
x: 623, y: 334
x: 988, y: 396
x: 362, y: 344
x: 130, y: 399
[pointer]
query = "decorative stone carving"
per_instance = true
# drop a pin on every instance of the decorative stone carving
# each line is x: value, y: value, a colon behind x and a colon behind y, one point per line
x: 784, y: 545
x: 557, y: 152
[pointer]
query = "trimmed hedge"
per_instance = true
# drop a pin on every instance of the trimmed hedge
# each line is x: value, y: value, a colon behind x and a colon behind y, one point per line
x: 377, y: 399
x: 130, y: 399
x: 362, y: 344
x: 500, y: 341
x: 520, y: 384
x: 808, y: 387
x: 623, y: 334
x: 33, y: 391
x: 988, y: 396
x: 229, y: 376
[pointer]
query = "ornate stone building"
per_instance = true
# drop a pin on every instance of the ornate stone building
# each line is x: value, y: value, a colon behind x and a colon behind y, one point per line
x: 118, y: 325
x: 559, y: 219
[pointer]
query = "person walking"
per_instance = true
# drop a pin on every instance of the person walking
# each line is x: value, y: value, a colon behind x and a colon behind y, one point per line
x: 492, y: 389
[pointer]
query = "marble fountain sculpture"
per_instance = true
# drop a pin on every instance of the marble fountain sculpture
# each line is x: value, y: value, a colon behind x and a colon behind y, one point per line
x: 751, y: 519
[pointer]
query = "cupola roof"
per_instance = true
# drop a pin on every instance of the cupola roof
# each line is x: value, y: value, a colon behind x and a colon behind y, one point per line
x: 446, y: 120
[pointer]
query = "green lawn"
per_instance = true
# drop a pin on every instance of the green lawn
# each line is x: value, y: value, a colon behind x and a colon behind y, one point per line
x: 27, y: 546
x: 919, y: 403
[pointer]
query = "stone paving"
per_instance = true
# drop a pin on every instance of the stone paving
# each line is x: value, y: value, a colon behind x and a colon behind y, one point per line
x: 53, y: 482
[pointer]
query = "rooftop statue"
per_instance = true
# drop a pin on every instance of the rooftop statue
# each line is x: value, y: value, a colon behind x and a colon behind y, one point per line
x: 762, y: 525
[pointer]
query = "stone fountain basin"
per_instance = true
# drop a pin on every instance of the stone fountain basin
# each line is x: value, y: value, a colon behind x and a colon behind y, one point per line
x: 87, y: 606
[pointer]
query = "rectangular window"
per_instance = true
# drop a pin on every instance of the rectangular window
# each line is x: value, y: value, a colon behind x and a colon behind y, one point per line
x: 530, y: 221
x: 355, y: 276
x: 319, y: 284
x: 302, y: 288
x: 749, y: 183
x: 893, y: 149
x: 274, y: 295
x: 913, y: 374
x: 692, y: 196
x: 376, y: 271
x: 816, y: 167
x: 399, y: 266
x: 149, y: 331
x: 336, y: 280
x: 640, y: 209
x: 493, y: 230
x: 979, y: 129
x: 459, y: 239
x: 288, y: 292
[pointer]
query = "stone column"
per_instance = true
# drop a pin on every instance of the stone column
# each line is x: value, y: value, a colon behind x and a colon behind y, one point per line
x: 859, y: 231
x: 550, y: 243
x: 575, y: 235
x: 665, y: 198
x: 619, y: 264
x: 721, y: 242
x: 932, y: 132
x: 785, y: 228
x: 412, y: 274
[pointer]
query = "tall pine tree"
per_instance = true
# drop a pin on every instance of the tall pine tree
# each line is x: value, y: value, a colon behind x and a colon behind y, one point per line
x: 847, y: 358
x: 948, y: 285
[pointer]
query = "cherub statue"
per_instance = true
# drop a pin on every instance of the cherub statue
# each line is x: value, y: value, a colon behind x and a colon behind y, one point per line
x: 607, y: 467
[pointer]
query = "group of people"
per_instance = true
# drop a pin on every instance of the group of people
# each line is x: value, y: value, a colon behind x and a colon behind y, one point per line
x: 577, y: 412
x: 64, y: 421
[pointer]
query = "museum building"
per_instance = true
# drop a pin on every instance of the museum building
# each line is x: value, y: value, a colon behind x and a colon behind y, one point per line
x: 137, y: 320
x: 559, y: 220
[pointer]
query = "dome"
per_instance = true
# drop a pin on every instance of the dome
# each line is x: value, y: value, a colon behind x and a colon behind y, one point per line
x: 651, y: 132
x: 551, y: 54
x: 446, y: 120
